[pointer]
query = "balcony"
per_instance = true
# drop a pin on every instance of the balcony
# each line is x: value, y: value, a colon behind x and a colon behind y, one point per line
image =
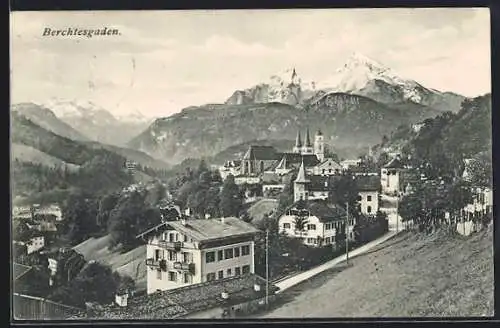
x: 176, y: 245
x: 161, y: 264
x: 184, y: 266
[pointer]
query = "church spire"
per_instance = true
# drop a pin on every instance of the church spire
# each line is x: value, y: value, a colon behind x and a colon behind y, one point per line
x: 308, y: 139
x: 298, y: 140
x: 301, y: 176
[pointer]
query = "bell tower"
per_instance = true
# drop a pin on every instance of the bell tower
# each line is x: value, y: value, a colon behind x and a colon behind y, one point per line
x: 319, y: 146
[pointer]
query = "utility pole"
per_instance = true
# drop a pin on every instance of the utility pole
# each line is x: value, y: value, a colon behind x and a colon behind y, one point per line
x: 267, y: 267
x: 347, y: 235
x: 397, y: 213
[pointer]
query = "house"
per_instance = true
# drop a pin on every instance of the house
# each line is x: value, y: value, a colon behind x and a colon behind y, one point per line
x: 328, y: 167
x: 185, y: 252
x: 350, y: 163
x: 33, y: 243
x: 31, y: 212
x: 230, y: 167
x: 482, y: 201
x: 322, y: 222
x: 390, y: 176
x: 215, y: 299
x: 369, y: 191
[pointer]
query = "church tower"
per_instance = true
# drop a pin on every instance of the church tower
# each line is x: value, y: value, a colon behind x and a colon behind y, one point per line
x: 298, y: 143
x: 307, y: 149
x: 300, y: 184
x: 319, y: 146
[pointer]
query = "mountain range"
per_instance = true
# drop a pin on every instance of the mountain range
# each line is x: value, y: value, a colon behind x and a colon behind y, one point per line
x: 359, y: 103
x: 97, y: 123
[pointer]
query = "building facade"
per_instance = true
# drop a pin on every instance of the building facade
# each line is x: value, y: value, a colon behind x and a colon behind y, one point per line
x: 185, y: 252
x: 316, y: 223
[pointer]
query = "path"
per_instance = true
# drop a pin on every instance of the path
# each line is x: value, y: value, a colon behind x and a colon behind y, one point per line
x: 394, y: 228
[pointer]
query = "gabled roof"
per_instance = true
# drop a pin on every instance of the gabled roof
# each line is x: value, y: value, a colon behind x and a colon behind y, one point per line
x: 296, y: 158
x: 206, y: 229
x: 368, y: 182
x: 264, y: 153
x: 19, y: 270
x: 181, y: 301
x: 394, y: 163
x: 319, y: 208
x: 330, y: 163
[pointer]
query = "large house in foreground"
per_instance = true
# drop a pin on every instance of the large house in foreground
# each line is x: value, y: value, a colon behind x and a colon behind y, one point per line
x: 185, y: 252
x: 315, y: 222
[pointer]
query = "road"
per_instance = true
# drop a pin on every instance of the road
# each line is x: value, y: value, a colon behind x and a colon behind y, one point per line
x: 395, y: 226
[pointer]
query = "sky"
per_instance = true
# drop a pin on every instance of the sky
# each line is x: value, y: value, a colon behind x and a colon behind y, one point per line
x: 164, y: 61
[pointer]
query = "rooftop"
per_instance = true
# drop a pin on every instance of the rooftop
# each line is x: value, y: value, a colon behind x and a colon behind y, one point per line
x: 19, y: 270
x: 368, y: 182
x: 207, y: 229
x: 265, y: 153
x: 319, y: 208
x: 184, y: 300
x: 394, y: 163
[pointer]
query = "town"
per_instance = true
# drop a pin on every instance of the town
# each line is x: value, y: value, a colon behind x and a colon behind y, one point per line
x: 204, y: 266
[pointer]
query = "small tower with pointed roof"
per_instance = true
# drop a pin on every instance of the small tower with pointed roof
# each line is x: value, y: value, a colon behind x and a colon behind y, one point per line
x: 298, y: 144
x: 319, y: 146
x: 307, y: 148
x: 300, y: 184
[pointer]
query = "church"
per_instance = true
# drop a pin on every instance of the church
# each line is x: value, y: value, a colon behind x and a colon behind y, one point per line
x: 260, y: 159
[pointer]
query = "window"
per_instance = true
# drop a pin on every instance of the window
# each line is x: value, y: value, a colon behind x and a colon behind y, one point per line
x: 220, y: 274
x: 323, y: 171
x: 172, y: 276
x: 185, y: 238
x: 329, y: 170
x: 158, y: 274
x: 229, y: 272
x: 369, y: 209
x: 369, y: 198
x: 186, y: 278
x: 228, y: 253
x: 245, y: 250
x: 237, y: 252
x: 310, y: 240
x: 210, y: 276
x: 186, y: 257
x: 286, y: 226
x: 171, y: 237
x: 246, y: 269
x: 157, y: 254
x: 327, y: 240
x: 210, y: 257
x: 237, y: 271
x: 172, y: 256
x: 220, y: 256
x: 311, y: 227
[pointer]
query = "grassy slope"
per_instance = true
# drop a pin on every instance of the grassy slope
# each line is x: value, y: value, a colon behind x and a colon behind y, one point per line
x: 29, y: 154
x: 261, y: 207
x: 131, y: 263
x: 411, y: 275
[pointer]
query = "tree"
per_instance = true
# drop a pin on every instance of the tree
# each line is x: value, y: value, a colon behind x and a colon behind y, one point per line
x: 95, y: 283
x: 231, y: 200
x: 458, y: 196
